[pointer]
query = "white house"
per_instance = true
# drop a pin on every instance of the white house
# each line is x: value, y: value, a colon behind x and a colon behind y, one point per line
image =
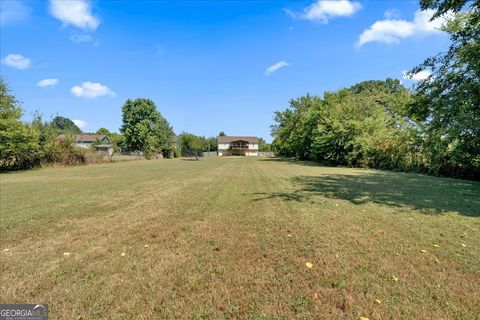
x: 237, y: 146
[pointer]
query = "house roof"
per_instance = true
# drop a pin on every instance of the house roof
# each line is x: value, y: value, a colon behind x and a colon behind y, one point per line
x: 228, y: 139
x: 83, y: 137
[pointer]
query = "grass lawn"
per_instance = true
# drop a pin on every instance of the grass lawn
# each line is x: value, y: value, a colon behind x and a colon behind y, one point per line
x: 230, y: 238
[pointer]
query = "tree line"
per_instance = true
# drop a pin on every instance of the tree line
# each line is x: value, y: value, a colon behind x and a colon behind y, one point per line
x: 433, y: 128
x: 144, y: 130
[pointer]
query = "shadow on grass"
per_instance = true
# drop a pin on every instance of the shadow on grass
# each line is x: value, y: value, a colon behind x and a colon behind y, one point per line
x: 430, y: 195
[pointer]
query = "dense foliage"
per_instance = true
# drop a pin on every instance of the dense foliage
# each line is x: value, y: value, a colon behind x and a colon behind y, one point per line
x: 18, y: 141
x: 65, y: 125
x: 448, y: 103
x: 191, y: 145
x: 366, y: 125
x: 433, y: 129
x: 145, y: 129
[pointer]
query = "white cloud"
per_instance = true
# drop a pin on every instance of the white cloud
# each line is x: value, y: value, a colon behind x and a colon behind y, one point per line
x: 79, y: 38
x: 77, y: 13
x: 421, y: 75
x: 49, y: 82
x: 275, y: 67
x: 80, y: 123
x: 392, y: 14
x: 16, y: 61
x: 92, y: 90
x: 324, y: 10
x: 393, y: 30
x: 13, y: 11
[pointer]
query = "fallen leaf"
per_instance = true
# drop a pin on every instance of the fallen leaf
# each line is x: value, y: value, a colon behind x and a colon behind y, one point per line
x: 336, y: 204
x: 309, y: 265
x: 66, y: 254
x: 315, y: 296
x: 437, y: 261
x: 436, y: 246
x: 377, y: 301
x: 146, y: 246
x: 289, y: 235
x: 423, y: 251
x: 364, y: 318
x: 6, y: 250
x: 123, y: 254
x: 464, y: 245
x: 337, y: 255
x: 394, y: 278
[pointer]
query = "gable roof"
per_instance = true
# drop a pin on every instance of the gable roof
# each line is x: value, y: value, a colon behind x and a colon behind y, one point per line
x: 228, y: 139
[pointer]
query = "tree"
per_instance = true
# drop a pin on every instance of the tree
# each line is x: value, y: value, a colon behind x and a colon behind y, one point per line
x: 103, y: 131
x: 65, y: 125
x: 354, y: 126
x: 294, y: 127
x: 448, y: 102
x: 191, y: 145
x: 263, y: 146
x: 18, y: 142
x: 145, y: 129
x: 211, y: 144
x: 222, y: 134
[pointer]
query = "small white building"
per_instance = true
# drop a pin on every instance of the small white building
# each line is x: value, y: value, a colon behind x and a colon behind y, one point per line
x: 237, y: 146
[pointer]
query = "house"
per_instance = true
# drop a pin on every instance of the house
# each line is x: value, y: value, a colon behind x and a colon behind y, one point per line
x: 85, y: 140
x: 237, y: 146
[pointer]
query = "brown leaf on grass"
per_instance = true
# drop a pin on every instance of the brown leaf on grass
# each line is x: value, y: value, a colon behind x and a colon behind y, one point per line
x: 464, y: 245
x: 436, y: 246
x: 66, y: 254
x: 394, y: 278
x: 146, y: 246
x: 423, y: 251
x: 309, y: 265
x: 378, y: 301
x: 364, y: 318
x: 123, y: 254
x: 315, y: 296
x: 6, y: 250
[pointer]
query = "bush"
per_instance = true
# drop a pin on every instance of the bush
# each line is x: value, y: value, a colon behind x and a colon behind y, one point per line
x: 63, y: 153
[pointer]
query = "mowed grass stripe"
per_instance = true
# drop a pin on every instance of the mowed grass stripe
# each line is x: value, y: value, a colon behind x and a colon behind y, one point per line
x: 218, y: 247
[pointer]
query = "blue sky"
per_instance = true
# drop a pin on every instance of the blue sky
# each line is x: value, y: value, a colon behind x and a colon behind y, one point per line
x: 208, y: 66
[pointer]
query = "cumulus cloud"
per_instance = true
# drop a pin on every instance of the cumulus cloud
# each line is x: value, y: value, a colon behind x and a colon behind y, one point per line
x: 77, y: 13
x: 80, y: 123
x: 275, y: 67
x: 13, y: 11
x: 324, y: 10
x: 421, y: 75
x: 16, y: 61
x: 393, y: 30
x: 49, y: 82
x: 79, y: 38
x: 92, y: 90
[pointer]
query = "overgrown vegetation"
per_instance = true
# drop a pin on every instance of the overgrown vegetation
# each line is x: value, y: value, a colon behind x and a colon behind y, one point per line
x: 433, y: 129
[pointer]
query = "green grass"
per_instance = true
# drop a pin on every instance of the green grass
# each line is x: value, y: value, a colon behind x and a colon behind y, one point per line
x: 229, y: 238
